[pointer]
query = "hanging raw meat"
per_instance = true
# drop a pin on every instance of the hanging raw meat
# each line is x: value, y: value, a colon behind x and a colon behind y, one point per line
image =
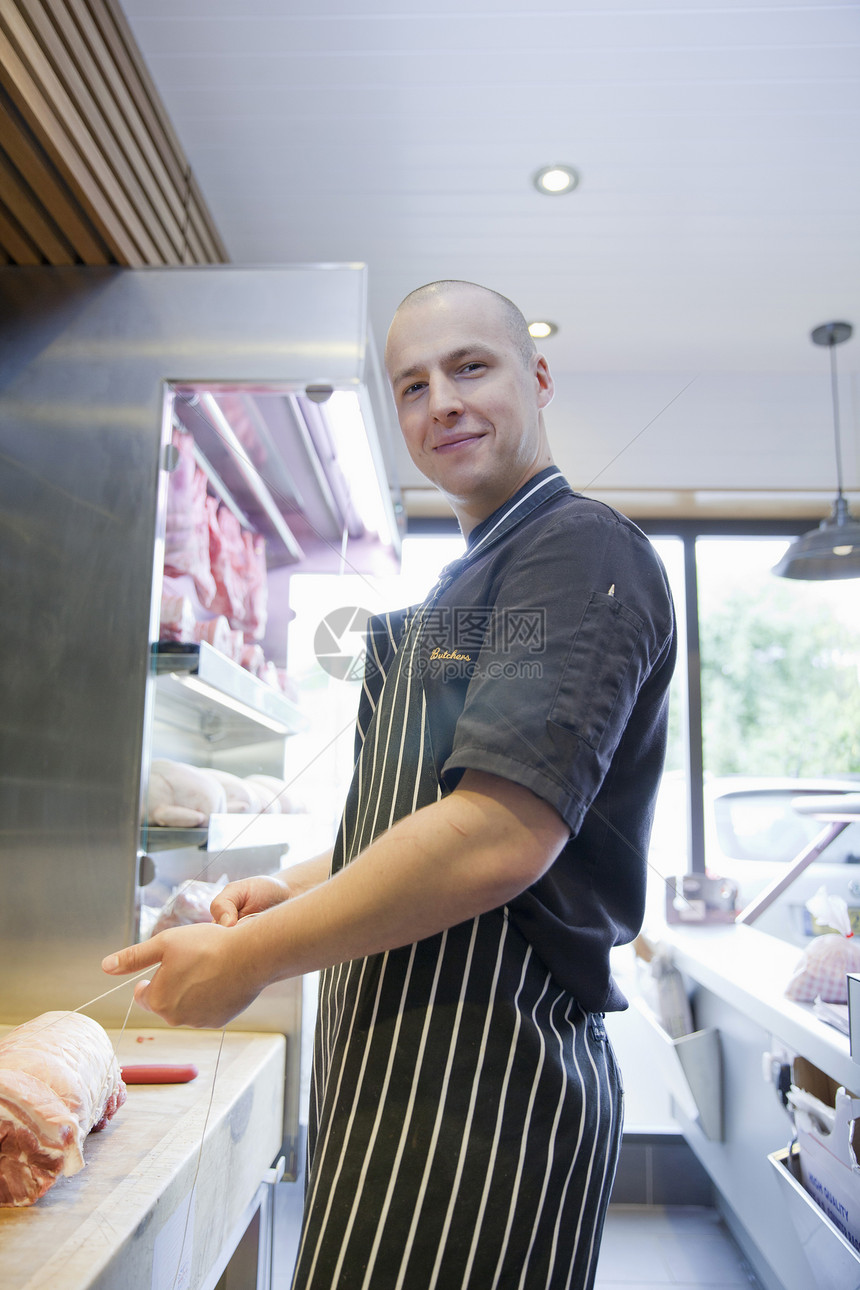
x: 59, y: 1081
x: 227, y: 560
x: 186, y: 539
x: 256, y: 587
x: 238, y: 562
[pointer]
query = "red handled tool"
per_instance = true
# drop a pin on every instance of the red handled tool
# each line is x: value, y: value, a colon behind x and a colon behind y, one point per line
x: 161, y: 1073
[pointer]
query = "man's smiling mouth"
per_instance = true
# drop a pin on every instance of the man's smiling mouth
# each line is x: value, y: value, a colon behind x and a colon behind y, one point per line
x: 457, y: 441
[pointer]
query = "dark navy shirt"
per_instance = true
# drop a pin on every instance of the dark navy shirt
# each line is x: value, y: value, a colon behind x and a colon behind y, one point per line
x: 546, y: 659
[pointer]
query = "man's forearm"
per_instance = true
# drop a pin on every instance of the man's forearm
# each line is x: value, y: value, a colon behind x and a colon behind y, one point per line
x: 468, y: 853
x: 307, y: 874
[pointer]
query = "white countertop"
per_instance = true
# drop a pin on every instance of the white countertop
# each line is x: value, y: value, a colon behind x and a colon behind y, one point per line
x: 119, y: 1223
x: 749, y: 970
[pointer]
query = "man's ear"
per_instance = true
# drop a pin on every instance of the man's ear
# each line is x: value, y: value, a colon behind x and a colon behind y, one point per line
x: 544, y: 380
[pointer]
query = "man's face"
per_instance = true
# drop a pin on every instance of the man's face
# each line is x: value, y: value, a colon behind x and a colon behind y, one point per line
x: 468, y: 401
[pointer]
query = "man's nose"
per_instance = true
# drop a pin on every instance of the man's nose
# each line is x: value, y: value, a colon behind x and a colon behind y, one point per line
x: 445, y: 401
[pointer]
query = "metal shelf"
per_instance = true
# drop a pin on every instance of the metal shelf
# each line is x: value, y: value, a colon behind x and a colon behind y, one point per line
x: 156, y: 837
x: 204, y: 692
x: 238, y: 845
x: 233, y: 832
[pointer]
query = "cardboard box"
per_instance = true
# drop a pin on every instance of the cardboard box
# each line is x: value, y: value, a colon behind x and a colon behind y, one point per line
x: 829, y: 1165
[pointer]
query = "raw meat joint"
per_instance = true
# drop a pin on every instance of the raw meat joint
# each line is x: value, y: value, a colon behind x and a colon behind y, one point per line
x: 59, y: 1081
x: 182, y: 796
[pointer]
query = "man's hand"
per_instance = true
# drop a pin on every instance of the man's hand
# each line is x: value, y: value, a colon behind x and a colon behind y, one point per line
x: 202, y: 978
x: 252, y: 895
x: 248, y: 896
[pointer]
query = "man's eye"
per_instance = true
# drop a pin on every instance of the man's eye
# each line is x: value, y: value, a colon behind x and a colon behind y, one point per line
x: 468, y: 368
x: 413, y: 389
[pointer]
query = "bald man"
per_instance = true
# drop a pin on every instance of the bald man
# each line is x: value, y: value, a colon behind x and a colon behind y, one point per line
x: 466, y: 1108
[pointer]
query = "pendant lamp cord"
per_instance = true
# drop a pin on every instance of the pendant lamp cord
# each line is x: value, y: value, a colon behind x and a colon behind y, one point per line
x: 834, y: 388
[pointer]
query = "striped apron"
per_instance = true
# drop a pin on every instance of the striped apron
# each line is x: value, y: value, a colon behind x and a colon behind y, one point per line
x: 465, y: 1113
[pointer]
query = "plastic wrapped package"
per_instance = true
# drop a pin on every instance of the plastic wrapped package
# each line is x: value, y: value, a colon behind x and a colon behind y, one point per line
x: 824, y: 965
x: 189, y: 903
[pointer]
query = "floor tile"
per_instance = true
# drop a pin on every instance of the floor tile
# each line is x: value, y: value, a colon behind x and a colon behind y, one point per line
x: 646, y: 1247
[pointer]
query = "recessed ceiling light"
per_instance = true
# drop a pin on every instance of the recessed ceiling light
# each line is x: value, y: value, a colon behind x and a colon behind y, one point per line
x: 555, y: 180
x: 540, y: 330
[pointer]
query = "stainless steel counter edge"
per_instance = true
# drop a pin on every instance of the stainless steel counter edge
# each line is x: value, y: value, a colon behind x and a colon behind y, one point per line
x: 749, y: 970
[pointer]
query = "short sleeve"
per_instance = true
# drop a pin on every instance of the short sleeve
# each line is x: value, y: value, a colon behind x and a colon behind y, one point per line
x: 574, y: 624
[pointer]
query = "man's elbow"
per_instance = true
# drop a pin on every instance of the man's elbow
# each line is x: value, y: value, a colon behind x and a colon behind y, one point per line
x: 519, y: 848
x: 519, y: 863
x: 515, y: 835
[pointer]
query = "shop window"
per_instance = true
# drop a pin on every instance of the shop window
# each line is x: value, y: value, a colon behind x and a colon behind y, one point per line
x: 780, y: 683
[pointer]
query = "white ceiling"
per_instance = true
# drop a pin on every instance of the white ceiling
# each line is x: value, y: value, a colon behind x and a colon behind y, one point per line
x: 717, y: 219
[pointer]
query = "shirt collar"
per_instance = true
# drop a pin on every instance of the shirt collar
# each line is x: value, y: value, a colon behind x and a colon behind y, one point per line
x: 534, y: 493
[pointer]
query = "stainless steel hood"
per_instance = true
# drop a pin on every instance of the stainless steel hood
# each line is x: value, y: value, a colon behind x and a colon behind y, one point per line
x: 94, y: 364
x: 279, y: 459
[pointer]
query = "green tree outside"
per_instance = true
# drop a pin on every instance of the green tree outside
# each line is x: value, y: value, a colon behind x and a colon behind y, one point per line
x: 780, y: 678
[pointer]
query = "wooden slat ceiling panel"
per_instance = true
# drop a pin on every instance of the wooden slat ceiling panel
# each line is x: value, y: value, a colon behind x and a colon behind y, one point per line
x: 91, y: 171
x: 41, y: 231
x: 153, y: 123
x: 15, y: 242
x: 50, y: 193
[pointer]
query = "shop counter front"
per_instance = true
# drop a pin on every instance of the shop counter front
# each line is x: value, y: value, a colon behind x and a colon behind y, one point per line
x: 736, y: 978
x: 750, y: 970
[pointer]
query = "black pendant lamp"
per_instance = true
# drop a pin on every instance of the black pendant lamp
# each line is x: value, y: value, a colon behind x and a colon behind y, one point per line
x: 833, y: 549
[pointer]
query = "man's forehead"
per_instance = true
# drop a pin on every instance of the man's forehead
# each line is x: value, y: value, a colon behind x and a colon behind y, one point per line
x: 421, y: 359
x: 432, y: 330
